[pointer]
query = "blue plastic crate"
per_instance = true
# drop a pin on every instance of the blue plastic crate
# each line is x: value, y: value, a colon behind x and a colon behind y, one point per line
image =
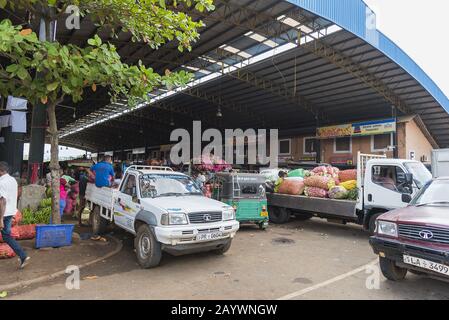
x: 54, y: 236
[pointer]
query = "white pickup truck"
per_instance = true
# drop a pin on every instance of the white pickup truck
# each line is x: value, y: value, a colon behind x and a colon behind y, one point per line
x: 166, y: 211
x: 383, y: 184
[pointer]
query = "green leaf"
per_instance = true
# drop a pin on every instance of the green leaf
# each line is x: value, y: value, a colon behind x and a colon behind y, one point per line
x: 3, y: 3
x: 52, y: 86
x: 12, y: 68
x: 22, y: 73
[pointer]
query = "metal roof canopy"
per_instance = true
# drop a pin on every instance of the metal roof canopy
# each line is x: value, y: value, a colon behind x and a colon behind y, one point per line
x: 262, y: 70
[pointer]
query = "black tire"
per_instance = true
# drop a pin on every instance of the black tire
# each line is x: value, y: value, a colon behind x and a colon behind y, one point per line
x: 279, y: 215
x: 224, y: 249
x: 98, y: 223
x: 391, y: 271
x: 148, y: 249
x: 372, y: 222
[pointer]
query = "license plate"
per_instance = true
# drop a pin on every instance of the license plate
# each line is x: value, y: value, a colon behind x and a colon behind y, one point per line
x: 209, y: 236
x: 426, y: 264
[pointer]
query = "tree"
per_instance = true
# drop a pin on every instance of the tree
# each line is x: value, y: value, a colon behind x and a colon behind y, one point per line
x: 49, y: 72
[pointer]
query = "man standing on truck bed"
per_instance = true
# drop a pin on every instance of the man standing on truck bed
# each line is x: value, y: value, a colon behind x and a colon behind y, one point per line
x: 104, y: 172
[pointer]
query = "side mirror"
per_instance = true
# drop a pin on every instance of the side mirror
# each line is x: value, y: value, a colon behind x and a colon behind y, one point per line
x: 406, y: 198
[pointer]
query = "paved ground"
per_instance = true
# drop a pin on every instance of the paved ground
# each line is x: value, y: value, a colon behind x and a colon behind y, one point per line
x: 300, y: 260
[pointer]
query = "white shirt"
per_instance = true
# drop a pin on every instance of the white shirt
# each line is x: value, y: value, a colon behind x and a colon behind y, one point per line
x: 8, y: 190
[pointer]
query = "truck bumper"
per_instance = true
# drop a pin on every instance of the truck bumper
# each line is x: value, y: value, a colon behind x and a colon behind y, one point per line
x: 183, y: 249
x: 186, y: 235
x: 395, y: 250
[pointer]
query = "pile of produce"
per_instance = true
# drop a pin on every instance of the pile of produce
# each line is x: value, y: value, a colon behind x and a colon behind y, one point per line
x: 41, y: 216
x: 322, y: 182
x: 19, y: 231
x: 292, y: 187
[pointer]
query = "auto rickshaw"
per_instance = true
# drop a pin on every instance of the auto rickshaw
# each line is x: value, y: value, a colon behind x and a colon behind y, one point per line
x: 245, y: 192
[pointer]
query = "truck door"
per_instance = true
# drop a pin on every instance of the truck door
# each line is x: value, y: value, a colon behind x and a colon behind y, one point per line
x: 385, y: 186
x: 126, y: 204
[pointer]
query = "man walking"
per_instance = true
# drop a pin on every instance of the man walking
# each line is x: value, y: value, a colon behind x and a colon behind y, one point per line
x: 8, y: 208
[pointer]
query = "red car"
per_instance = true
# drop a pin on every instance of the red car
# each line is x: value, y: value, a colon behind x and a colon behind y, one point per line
x: 416, y: 238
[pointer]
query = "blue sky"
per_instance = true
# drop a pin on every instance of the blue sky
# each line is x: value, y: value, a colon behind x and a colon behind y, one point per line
x: 421, y: 29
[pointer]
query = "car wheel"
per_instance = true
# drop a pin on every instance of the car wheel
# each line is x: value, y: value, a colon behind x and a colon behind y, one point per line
x: 279, y: 215
x: 391, y: 271
x: 225, y: 248
x: 148, y: 249
x: 98, y: 223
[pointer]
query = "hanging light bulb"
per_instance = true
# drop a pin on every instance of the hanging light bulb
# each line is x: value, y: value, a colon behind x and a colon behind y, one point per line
x: 141, y: 130
x: 74, y: 113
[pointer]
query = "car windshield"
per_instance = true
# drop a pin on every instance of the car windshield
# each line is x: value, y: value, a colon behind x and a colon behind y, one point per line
x: 433, y: 194
x: 167, y: 185
x: 421, y: 174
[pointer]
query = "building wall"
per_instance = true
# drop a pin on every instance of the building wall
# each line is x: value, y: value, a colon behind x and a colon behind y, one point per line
x: 416, y: 141
x: 410, y: 138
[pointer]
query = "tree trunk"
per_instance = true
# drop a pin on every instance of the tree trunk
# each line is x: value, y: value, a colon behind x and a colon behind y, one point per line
x: 54, y: 163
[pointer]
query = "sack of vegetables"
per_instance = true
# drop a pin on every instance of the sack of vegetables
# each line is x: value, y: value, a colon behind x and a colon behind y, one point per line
x: 347, y: 175
x: 338, y: 192
x: 315, y: 192
x: 321, y: 182
x: 292, y: 187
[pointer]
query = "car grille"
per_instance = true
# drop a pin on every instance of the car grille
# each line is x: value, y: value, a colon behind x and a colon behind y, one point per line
x: 205, y: 217
x: 440, y: 235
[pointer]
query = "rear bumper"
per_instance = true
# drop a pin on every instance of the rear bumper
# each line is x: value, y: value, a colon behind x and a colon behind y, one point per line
x: 395, y: 250
x: 183, y: 235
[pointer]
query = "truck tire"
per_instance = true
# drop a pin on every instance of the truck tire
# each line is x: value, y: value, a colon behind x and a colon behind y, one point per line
x: 391, y: 271
x: 98, y: 223
x: 225, y: 248
x: 279, y: 215
x: 148, y: 249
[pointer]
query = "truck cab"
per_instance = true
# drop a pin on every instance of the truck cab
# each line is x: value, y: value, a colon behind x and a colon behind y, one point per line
x: 391, y: 183
x: 166, y: 211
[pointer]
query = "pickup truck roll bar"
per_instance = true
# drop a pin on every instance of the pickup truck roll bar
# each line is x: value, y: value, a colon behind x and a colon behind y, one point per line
x: 153, y: 168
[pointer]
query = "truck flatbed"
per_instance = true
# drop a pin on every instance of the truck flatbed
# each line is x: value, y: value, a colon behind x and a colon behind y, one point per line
x: 322, y: 207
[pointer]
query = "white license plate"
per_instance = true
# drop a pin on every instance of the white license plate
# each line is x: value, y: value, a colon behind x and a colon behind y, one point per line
x: 209, y: 236
x: 426, y: 264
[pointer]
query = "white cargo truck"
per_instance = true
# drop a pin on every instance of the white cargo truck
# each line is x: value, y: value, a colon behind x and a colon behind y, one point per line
x: 166, y: 211
x: 383, y: 184
x: 440, y: 163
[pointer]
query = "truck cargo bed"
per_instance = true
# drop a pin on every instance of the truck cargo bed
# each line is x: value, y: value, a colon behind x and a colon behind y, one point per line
x: 325, y: 207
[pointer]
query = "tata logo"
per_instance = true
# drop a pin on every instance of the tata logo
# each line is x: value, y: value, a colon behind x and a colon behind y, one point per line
x: 207, y: 217
x: 426, y: 235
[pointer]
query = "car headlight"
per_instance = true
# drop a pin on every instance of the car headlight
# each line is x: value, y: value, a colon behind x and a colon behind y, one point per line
x: 228, y: 214
x: 387, y: 228
x: 174, y: 219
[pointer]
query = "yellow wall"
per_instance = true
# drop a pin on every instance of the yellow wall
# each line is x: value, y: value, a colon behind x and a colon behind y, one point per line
x: 416, y: 141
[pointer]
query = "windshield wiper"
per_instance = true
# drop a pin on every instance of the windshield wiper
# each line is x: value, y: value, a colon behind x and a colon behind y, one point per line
x: 170, y: 194
x: 432, y: 203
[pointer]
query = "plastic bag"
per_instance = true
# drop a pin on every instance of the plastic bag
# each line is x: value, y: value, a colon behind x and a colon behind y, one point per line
x: 297, y: 173
x: 6, y: 252
x: 347, y: 175
x: 338, y: 192
x: 315, y: 192
x: 349, y: 185
x: 292, y: 187
x: 321, y: 182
